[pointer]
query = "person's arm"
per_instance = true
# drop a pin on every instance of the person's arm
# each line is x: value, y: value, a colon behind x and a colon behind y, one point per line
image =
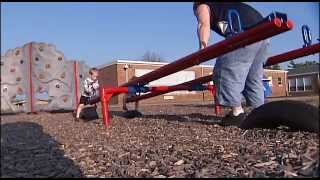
x: 203, y: 16
x: 96, y: 85
x: 87, y: 86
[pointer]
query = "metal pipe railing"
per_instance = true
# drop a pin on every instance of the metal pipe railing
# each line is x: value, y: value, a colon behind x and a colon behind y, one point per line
x: 294, y: 54
x: 260, y: 32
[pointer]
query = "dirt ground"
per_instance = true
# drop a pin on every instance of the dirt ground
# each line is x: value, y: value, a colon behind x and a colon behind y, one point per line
x: 176, y: 140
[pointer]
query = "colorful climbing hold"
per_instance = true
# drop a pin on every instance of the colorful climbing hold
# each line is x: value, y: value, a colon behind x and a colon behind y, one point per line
x: 5, y: 89
x: 63, y: 75
x: 20, y: 90
x: 65, y: 98
x: 41, y: 76
x: 40, y: 88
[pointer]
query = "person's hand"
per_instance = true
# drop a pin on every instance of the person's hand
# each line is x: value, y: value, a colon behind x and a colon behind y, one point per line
x: 95, y: 86
x: 203, y: 45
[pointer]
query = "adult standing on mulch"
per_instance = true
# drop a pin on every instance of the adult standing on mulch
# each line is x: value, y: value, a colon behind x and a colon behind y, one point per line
x: 239, y: 72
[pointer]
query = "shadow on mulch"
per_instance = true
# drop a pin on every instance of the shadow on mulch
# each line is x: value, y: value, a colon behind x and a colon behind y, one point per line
x: 61, y: 111
x: 195, y: 105
x: 9, y: 113
x: 26, y: 152
x: 193, y: 117
x: 200, y: 118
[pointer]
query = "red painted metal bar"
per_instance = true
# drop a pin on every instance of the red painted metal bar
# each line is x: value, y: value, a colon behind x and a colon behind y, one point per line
x: 294, y: 54
x: 115, y: 90
x: 188, y: 84
x: 105, y: 106
x: 169, y: 88
x: 271, y: 61
x: 106, y: 94
x: 200, y: 80
x: 284, y: 27
x: 288, y: 25
x: 76, y: 85
x: 30, y: 78
x: 217, y: 108
x: 261, y: 32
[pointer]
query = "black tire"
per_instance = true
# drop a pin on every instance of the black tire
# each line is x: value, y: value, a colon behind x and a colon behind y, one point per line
x: 132, y: 114
x: 89, y: 113
x: 293, y: 114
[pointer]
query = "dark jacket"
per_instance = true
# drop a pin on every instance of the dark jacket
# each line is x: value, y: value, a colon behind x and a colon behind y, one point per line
x: 219, y: 12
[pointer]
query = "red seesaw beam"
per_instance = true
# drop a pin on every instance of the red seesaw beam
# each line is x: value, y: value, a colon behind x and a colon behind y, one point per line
x: 294, y: 54
x: 200, y: 80
x: 107, y: 93
x: 258, y: 33
x: 187, y: 84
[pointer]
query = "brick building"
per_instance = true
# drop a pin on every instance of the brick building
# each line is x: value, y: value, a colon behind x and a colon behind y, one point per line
x: 121, y: 71
x: 278, y: 82
x: 304, y: 80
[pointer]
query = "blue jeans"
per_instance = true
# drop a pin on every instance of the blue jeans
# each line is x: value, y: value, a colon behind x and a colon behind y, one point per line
x: 240, y: 73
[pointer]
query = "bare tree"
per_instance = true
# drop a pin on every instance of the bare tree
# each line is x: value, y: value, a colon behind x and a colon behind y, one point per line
x: 293, y: 65
x: 152, y: 57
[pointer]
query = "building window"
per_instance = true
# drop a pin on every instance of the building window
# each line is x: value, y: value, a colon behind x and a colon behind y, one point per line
x: 300, y: 85
x: 292, y: 84
x: 279, y: 81
x: 308, y: 83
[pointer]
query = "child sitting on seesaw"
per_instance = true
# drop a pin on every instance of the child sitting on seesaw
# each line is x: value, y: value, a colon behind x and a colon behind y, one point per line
x: 91, y: 88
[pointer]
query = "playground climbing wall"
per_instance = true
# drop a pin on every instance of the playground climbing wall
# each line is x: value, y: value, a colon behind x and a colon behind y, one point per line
x: 14, y: 81
x: 37, y: 77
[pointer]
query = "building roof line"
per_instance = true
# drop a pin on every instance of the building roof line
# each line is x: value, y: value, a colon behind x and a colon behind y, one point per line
x: 140, y: 62
x: 120, y: 61
x: 279, y: 70
x: 300, y: 74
